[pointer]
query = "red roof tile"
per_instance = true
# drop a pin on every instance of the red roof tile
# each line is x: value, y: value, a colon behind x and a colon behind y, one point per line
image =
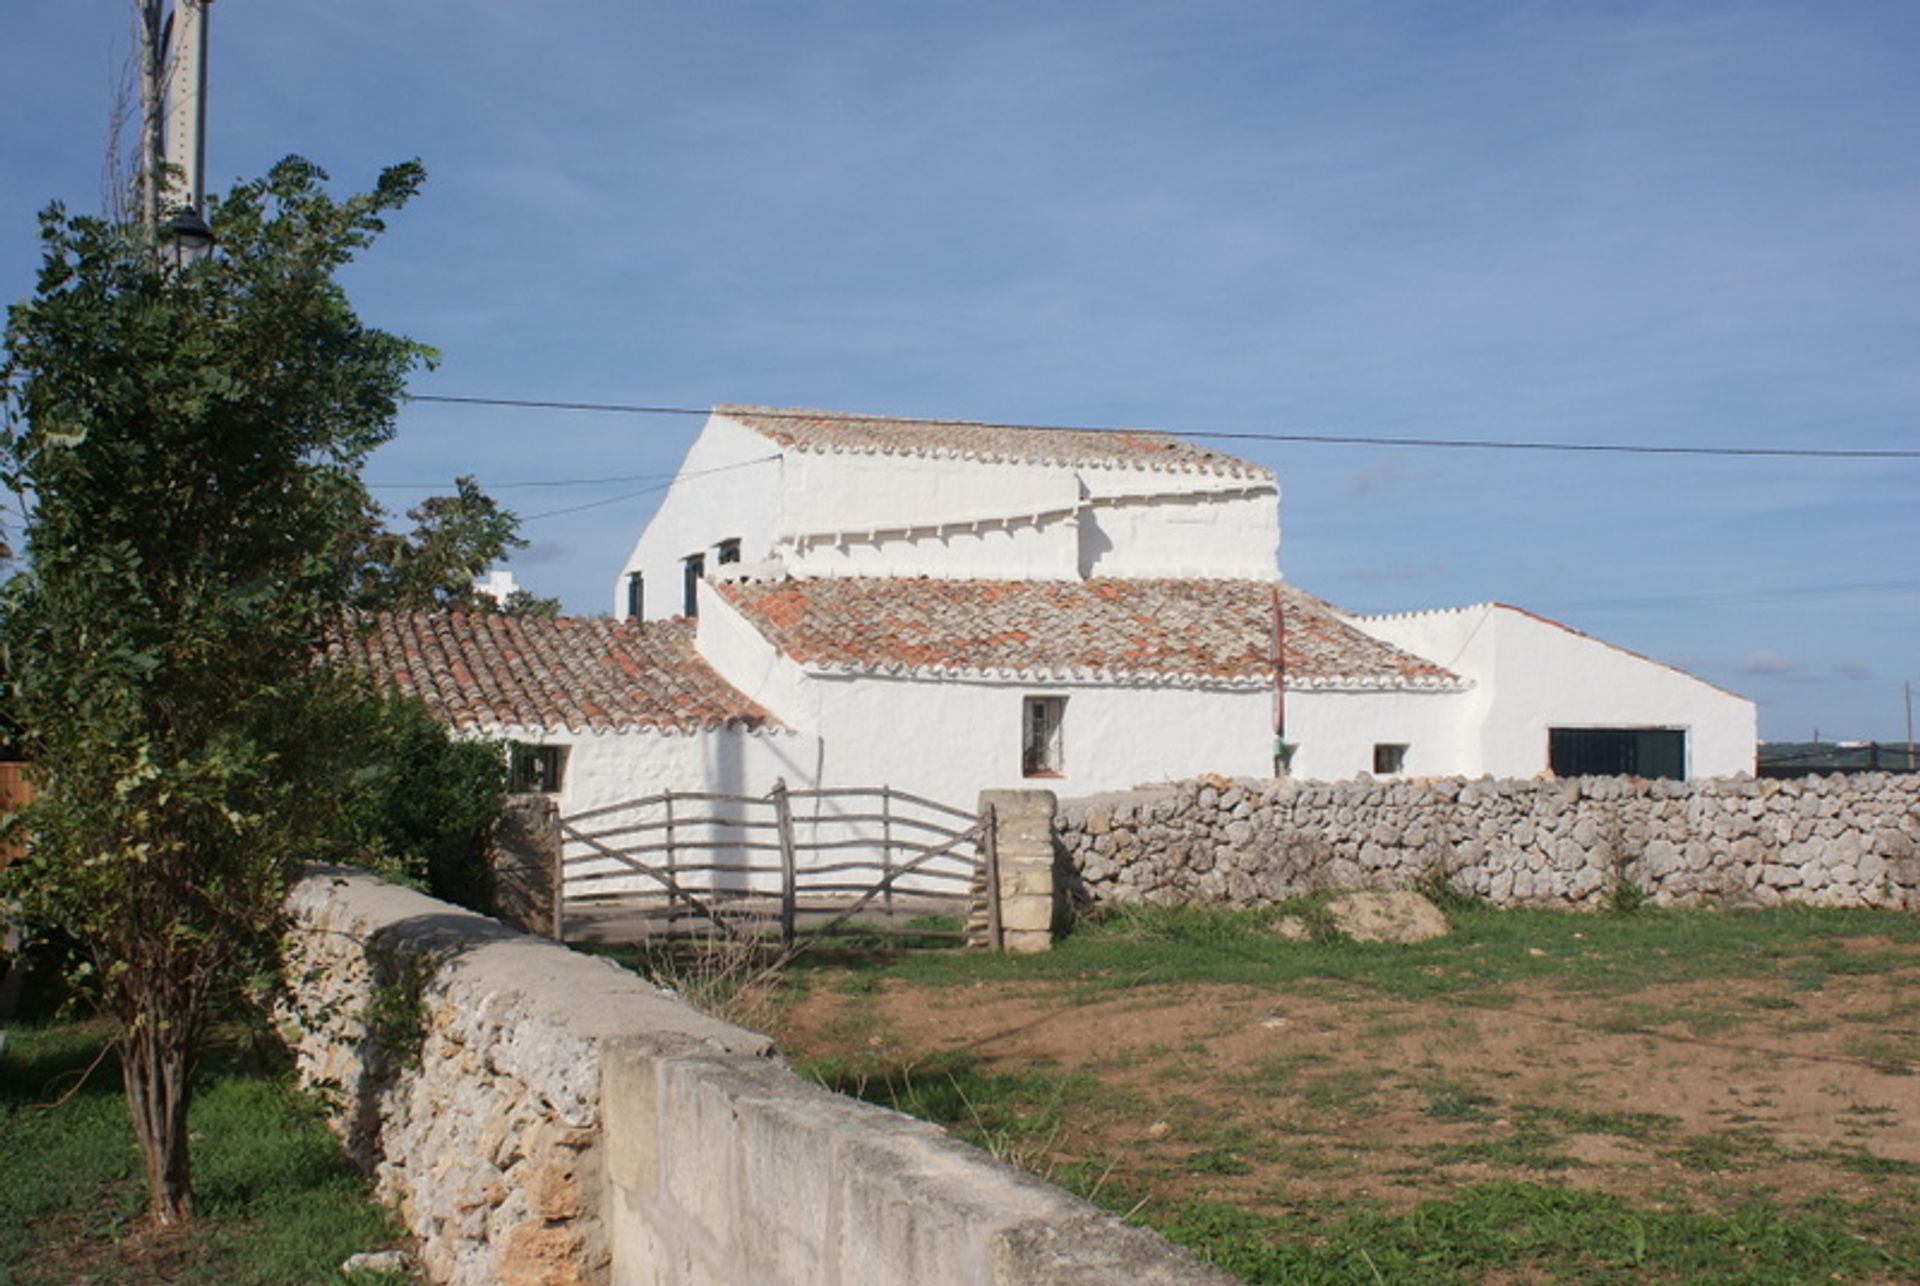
x: 829, y: 431
x: 1190, y: 630
x: 587, y: 673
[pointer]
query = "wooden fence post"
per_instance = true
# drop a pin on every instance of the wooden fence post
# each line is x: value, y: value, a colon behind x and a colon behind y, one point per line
x: 783, y: 819
x: 673, y: 872
x: 990, y: 850
x: 886, y: 847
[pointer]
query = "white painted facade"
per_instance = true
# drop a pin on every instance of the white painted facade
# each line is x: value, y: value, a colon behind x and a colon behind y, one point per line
x: 809, y: 513
x: 1530, y: 675
x: 948, y: 737
x: 603, y: 768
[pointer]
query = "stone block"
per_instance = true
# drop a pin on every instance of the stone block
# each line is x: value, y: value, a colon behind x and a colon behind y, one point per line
x: 699, y: 1142
x: 1093, y: 1250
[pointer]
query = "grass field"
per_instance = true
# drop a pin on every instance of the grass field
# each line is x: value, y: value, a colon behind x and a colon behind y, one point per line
x: 276, y: 1201
x: 1655, y: 1096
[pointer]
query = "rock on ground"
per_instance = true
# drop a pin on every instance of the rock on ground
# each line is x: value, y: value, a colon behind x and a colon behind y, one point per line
x: 1400, y: 917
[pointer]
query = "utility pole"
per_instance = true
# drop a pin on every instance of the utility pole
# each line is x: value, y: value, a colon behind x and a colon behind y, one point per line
x: 186, y: 99
x: 173, y: 103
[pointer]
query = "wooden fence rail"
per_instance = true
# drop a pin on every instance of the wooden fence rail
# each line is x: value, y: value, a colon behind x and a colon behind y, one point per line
x: 786, y: 862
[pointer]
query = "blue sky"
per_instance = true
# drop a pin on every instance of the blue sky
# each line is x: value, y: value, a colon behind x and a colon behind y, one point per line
x: 1690, y: 223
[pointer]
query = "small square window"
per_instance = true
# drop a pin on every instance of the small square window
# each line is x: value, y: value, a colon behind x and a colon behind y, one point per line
x: 535, y: 770
x: 1042, y: 743
x: 727, y: 551
x: 1389, y: 758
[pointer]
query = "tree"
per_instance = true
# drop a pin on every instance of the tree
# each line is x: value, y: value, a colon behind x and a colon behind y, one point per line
x: 432, y: 568
x: 187, y: 445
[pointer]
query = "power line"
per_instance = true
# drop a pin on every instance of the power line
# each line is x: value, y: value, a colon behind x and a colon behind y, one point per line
x: 1232, y: 435
x: 658, y: 486
x: 545, y: 482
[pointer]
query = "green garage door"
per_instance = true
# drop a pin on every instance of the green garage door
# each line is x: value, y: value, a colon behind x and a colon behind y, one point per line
x: 1617, y: 752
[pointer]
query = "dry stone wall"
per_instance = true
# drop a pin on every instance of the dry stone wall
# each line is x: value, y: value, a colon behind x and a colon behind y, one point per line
x: 541, y: 1116
x: 1823, y: 841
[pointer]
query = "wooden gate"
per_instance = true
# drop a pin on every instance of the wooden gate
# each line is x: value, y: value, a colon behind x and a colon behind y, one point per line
x: 787, y: 862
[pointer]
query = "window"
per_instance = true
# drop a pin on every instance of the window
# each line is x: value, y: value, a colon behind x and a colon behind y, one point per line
x: 1389, y: 758
x: 535, y: 770
x: 696, y: 565
x: 1617, y: 752
x: 636, y: 597
x: 727, y: 551
x: 1042, y: 748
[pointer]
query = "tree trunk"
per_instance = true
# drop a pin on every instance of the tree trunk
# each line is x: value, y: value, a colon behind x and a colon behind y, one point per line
x: 157, y: 1069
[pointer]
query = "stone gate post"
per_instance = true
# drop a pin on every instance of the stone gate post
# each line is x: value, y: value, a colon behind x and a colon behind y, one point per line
x: 526, y: 865
x: 1029, y: 893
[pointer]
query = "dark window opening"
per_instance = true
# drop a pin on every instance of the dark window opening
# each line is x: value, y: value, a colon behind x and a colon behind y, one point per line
x: 727, y: 551
x: 1042, y: 740
x: 1389, y: 758
x: 636, y: 597
x: 1617, y: 752
x: 696, y: 568
x: 535, y: 770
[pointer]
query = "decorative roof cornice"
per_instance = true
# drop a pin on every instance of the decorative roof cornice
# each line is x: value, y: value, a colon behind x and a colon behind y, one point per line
x: 835, y: 433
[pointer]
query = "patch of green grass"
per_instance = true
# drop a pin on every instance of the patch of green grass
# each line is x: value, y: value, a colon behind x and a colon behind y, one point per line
x: 1348, y: 1091
x: 1449, y: 1100
x: 1639, y: 1126
x: 1890, y: 1053
x: 1640, y: 1017
x: 275, y: 1200
x: 1874, y: 1166
x: 1725, y: 1151
x: 1488, y: 951
x: 1531, y: 1232
x: 1531, y: 1144
x: 1006, y: 1114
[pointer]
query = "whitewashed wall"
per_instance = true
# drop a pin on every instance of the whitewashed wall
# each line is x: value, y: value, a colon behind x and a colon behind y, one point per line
x: 1531, y: 675
x: 1142, y: 524
x: 608, y: 767
x: 815, y: 513
x: 950, y: 738
x: 1334, y: 732
x: 727, y: 488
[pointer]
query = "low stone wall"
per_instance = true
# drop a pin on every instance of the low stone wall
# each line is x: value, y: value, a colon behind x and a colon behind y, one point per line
x: 1824, y: 841
x: 537, y: 1115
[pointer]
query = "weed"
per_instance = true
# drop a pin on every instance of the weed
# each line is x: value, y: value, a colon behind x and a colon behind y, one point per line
x: 1456, y: 1101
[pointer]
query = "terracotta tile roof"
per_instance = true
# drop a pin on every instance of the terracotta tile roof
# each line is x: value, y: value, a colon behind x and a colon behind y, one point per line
x: 1184, y: 630
x: 588, y: 673
x: 829, y: 431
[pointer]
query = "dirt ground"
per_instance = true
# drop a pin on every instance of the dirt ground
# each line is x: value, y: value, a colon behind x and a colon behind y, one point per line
x: 1318, y: 1097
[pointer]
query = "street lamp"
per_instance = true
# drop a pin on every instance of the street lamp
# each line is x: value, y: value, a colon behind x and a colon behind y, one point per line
x: 191, y: 237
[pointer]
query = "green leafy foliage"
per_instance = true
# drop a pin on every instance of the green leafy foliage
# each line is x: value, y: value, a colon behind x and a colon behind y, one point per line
x: 426, y: 804
x: 191, y: 441
x: 432, y: 568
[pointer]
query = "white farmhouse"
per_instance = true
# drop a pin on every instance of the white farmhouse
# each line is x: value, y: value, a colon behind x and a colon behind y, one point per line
x: 944, y: 607
x: 948, y: 606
